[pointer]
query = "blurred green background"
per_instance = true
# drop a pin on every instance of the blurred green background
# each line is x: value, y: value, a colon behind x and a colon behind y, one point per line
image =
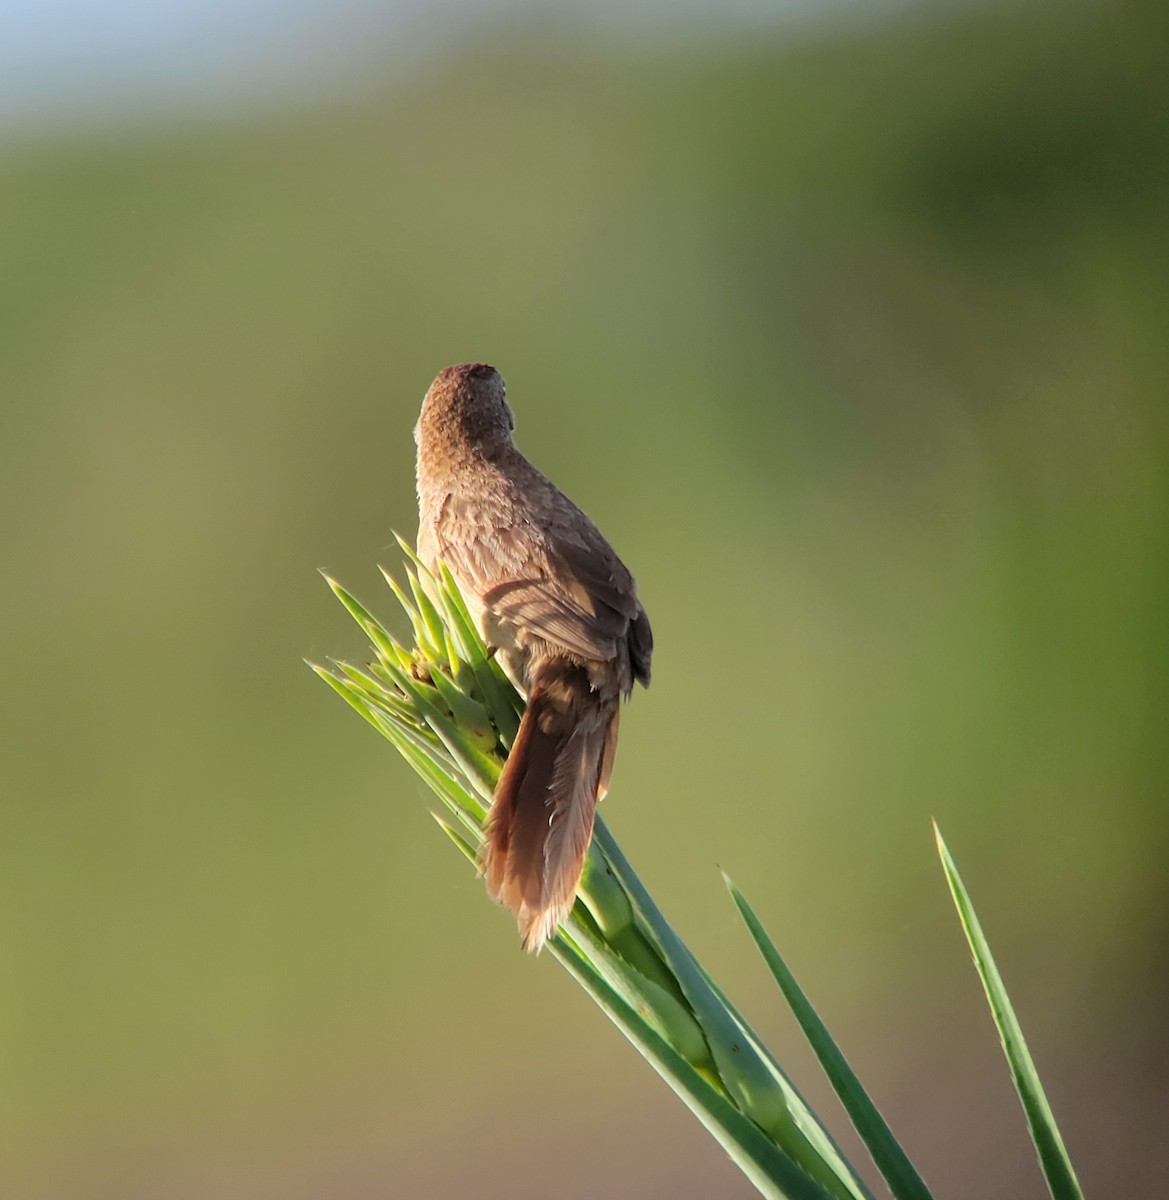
x: 853, y: 338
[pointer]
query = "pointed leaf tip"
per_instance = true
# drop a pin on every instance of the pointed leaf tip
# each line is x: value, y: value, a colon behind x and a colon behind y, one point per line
x: 891, y: 1160
x: 1049, y: 1145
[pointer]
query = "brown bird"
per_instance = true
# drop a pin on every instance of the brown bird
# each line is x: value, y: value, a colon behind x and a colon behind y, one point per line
x: 557, y: 604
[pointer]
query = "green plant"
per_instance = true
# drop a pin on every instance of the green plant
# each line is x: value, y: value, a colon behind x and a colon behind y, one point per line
x: 451, y: 712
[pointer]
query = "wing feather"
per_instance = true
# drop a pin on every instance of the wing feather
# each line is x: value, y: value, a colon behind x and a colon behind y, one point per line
x: 560, y: 581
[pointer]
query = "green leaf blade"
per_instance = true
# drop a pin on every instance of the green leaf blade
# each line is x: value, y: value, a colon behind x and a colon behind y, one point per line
x: 744, y: 1070
x: 1053, y: 1155
x: 369, y: 624
x: 769, y: 1168
x: 891, y: 1160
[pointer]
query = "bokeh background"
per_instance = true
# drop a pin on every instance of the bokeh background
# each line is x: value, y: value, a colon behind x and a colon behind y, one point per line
x: 849, y: 325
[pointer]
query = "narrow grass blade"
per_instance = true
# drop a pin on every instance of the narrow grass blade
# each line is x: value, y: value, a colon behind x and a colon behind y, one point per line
x: 891, y: 1160
x: 347, y: 691
x: 771, y: 1171
x: 1053, y: 1156
x: 409, y: 551
x: 467, y: 712
x: 802, y: 1112
x: 481, y: 770
x: 461, y: 671
x: 422, y: 638
x: 744, y: 1071
x: 369, y: 623
x: 667, y: 1014
x: 427, y: 612
x: 458, y: 800
x: 501, y: 698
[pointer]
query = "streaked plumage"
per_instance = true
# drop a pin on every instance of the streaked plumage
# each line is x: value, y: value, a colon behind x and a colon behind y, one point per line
x: 550, y: 594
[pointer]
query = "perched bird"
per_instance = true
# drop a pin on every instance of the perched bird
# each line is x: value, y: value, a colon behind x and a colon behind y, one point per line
x: 560, y: 609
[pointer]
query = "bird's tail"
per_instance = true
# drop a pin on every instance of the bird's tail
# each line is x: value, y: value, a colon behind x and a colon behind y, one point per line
x: 541, y: 818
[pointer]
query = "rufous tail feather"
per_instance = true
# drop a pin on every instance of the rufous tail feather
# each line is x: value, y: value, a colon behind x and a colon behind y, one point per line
x: 541, y: 818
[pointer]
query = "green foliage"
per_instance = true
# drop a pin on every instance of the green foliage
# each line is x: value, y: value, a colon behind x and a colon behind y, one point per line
x: 892, y: 1161
x: 879, y: 319
x: 446, y: 705
x: 450, y: 711
x: 1053, y: 1157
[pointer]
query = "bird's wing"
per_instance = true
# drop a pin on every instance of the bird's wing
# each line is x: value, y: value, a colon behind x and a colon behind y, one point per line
x: 560, y: 581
